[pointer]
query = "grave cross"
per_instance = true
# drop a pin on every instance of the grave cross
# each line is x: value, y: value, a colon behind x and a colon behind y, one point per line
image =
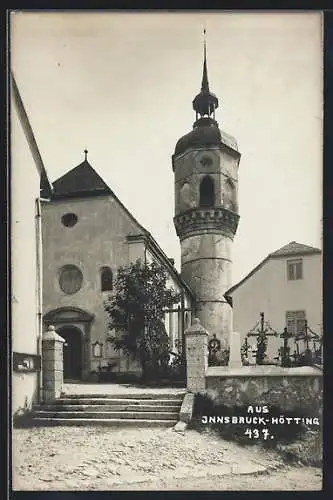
x: 285, y: 350
x: 261, y: 333
x: 306, y: 335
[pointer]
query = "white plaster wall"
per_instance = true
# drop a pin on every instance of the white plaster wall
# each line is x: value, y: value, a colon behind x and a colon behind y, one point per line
x: 24, y: 390
x: 25, y: 187
x: 24, y: 191
x: 269, y: 291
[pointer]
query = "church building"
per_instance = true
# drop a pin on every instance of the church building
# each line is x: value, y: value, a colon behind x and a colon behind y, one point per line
x: 88, y: 234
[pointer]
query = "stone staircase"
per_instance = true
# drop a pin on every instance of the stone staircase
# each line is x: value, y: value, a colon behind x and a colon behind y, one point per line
x: 140, y: 410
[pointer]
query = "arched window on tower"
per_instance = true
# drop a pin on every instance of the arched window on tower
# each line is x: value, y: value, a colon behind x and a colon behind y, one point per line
x: 207, y: 192
x: 106, y: 279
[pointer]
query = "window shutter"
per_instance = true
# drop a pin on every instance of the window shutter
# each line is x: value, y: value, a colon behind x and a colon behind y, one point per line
x: 290, y: 321
x: 300, y: 321
x: 295, y: 321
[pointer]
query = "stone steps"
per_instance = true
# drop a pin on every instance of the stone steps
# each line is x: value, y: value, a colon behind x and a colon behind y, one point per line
x: 108, y: 407
x: 138, y: 396
x: 140, y: 409
x: 147, y: 415
x: 119, y: 401
x: 108, y: 422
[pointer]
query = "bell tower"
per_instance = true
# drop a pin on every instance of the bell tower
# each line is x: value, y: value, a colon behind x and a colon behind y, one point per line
x: 205, y: 165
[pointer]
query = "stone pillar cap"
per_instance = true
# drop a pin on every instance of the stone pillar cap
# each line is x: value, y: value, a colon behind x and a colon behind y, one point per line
x: 51, y: 334
x: 196, y: 328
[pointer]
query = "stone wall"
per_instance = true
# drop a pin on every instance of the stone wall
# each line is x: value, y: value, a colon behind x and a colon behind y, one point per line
x: 285, y: 388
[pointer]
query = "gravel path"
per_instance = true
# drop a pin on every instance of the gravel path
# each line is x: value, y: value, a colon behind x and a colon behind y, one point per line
x: 93, y: 458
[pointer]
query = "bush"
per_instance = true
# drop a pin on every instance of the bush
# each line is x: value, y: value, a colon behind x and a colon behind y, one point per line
x: 308, y: 450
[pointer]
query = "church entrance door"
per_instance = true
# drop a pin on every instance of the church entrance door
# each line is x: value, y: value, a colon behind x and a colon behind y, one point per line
x: 72, y: 352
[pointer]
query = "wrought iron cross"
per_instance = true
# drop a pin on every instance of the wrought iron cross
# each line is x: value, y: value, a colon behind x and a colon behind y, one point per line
x: 261, y: 333
x: 285, y: 350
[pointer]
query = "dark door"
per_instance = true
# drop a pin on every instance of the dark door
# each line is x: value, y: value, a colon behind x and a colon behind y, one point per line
x: 72, y: 353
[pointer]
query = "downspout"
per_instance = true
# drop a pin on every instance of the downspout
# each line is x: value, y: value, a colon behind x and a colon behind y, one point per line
x: 182, y: 322
x: 145, y: 252
x: 39, y: 258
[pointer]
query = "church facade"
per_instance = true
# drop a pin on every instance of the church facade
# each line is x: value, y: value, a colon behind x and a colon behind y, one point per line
x: 88, y: 234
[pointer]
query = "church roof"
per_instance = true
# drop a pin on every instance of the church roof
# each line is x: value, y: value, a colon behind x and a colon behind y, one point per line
x: 82, y: 180
x: 292, y: 249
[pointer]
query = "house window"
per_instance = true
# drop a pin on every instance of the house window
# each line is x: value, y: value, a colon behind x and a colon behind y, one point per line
x: 295, y: 321
x: 70, y: 279
x: 207, y: 193
x: 106, y: 279
x: 295, y: 269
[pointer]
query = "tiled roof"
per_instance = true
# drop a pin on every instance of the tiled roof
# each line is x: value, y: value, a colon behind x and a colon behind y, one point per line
x: 81, y: 180
x: 294, y: 248
x: 289, y: 250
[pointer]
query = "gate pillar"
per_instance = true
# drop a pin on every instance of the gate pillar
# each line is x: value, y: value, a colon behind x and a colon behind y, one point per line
x: 52, y: 364
x: 196, y: 356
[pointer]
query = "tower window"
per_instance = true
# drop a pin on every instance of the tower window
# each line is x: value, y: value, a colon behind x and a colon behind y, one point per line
x: 106, y: 279
x: 207, y: 192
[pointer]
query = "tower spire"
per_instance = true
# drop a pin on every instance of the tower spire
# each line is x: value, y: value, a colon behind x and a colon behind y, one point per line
x: 204, y: 83
x: 205, y: 103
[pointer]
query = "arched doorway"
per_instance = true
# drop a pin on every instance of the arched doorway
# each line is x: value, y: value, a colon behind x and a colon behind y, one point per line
x: 69, y: 318
x: 72, y: 352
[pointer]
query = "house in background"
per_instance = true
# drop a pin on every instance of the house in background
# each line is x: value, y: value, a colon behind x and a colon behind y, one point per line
x: 87, y: 235
x: 287, y: 287
x: 29, y: 183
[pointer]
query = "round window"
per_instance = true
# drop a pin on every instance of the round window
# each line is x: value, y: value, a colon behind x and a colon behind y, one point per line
x: 206, y: 161
x: 70, y: 279
x: 69, y: 220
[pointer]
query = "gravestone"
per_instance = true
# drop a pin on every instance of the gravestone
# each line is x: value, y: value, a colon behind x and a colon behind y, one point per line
x: 235, y: 359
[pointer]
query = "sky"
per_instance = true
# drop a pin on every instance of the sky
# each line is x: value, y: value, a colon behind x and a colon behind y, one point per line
x: 122, y: 85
